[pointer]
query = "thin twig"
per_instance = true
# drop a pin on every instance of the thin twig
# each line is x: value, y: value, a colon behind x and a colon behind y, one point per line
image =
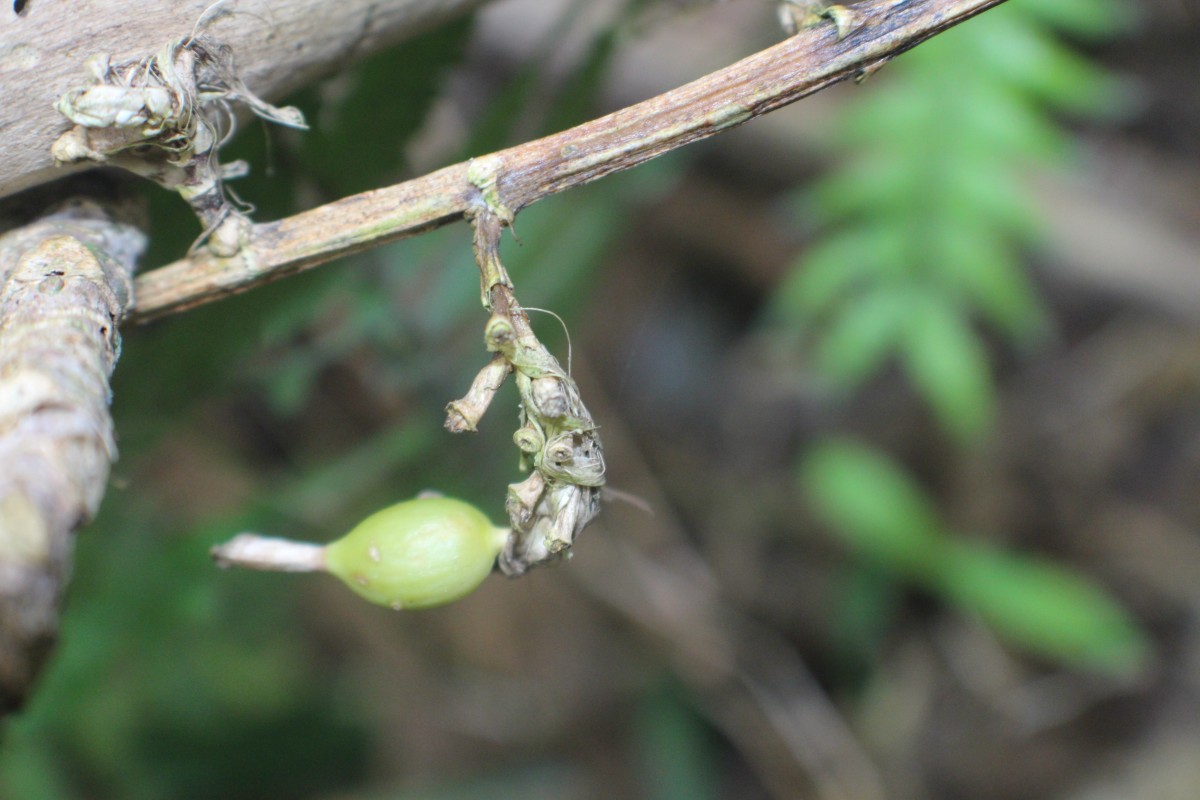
x: 772, y: 78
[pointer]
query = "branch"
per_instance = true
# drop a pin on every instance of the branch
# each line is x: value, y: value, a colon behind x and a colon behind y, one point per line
x: 65, y: 282
x: 280, y: 46
x: 519, y: 176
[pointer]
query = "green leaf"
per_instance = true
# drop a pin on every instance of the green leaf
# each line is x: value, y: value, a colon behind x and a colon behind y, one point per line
x: 861, y: 335
x: 894, y: 115
x: 1045, y: 608
x: 976, y: 262
x: 1003, y: 123
x: 871, y: 504
x: 832, y: 268
x: 1034, y: 61
x: 988, y: 195
x: 947, y: 364
x: 872, y: 184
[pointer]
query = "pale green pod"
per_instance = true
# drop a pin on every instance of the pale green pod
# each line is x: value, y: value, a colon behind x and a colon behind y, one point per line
x: 417, y: 554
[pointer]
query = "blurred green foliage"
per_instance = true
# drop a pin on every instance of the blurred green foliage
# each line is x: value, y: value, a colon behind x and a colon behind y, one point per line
x: 870, y: 503
x: 926, y: 217
x: 925, y: 222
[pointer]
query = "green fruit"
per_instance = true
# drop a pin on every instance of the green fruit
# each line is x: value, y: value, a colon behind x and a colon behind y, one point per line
x: 417, y: 554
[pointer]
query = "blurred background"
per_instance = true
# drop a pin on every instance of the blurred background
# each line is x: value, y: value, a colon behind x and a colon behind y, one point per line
x: 908, y: 374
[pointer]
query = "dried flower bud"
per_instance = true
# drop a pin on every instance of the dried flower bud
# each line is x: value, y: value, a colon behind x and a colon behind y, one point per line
x: 550, y: 397
x: 529, y: 439
x: 562, y: 511
x: 523, y: 499
x: 499, y: 335
x: 560, y: 453
x: 575, y: 458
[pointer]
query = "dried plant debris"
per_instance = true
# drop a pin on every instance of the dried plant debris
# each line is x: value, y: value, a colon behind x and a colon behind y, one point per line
x: 165, y: 116
x: 559, y: 443
x: 796, y: 15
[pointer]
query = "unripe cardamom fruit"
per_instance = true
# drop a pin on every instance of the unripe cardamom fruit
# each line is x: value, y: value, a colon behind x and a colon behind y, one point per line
x: 417, y: 554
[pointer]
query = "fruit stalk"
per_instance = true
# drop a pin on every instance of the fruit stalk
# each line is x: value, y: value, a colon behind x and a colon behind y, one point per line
x: 251, y: 551
x: 416, y: 554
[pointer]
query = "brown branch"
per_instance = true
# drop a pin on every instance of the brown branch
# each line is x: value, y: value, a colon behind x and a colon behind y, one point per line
x: 65, y: 282
x: 519, y: 176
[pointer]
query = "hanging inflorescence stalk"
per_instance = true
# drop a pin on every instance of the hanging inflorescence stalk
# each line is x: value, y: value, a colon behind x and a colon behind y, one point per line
x: 560, y: 446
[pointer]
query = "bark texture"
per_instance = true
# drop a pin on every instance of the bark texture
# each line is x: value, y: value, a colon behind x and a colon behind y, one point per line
x: 65, y: 282
x: 278, y: 46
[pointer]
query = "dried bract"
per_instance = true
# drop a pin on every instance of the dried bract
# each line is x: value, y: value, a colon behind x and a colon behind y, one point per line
x: 164, y: 117
x: 796, y: 15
